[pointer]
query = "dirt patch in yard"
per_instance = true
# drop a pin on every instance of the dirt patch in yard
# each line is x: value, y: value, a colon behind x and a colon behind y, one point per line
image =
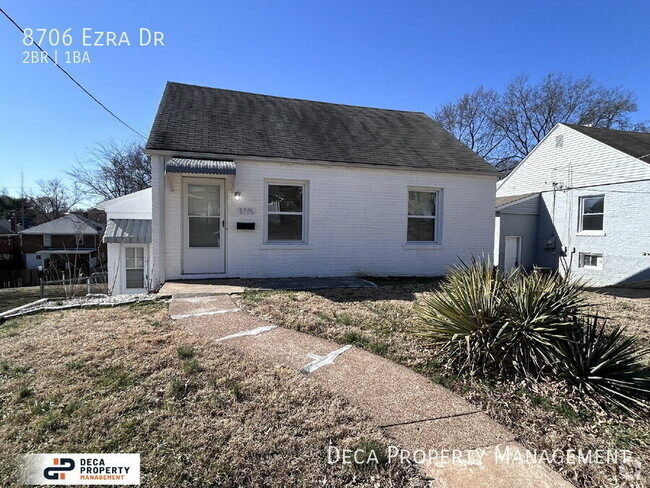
x: 129, y: 380
x: 541, y: 416
x: 628, y: 307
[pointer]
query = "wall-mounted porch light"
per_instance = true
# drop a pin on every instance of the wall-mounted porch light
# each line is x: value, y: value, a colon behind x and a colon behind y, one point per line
x: 237, y: 195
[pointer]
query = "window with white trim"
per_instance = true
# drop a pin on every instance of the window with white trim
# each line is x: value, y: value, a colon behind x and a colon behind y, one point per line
x: 80, y: 240
x: 134, y: 267
x: 592, y: 210
x: 422, y: 223
x: 47, y: 240
x: 286, y: 213
x: 591, y: 260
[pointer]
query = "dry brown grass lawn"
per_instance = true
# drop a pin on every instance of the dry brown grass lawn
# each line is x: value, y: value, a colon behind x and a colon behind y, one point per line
x: 543, y: 417
x: 129, y: 380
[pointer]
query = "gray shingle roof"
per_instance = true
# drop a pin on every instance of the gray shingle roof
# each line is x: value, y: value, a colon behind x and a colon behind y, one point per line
x: 636, y: 144
x: 128, y: 231
x: 5, y: 231
x: 230, y: 123
x: 200, y: 166
x: 501, y: 201
x: 70, y: 224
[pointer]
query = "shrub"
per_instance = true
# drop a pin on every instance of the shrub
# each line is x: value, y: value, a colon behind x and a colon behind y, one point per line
x: 491, y: 323
x: 537, y: 312
x: 185, y: 352
x: 605, y: 366
x: 463, y: 316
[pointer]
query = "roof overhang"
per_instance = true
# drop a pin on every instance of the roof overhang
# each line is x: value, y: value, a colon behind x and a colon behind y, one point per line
x: 200, y: 166
x: 128, y: 231
x: 65, y: 251
x: 505, y: 202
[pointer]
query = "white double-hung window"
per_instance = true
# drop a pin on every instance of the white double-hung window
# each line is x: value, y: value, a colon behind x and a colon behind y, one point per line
x: 423, y: 219
x: 286, y: 213
x: 592, y: 211
x: 134, y: 267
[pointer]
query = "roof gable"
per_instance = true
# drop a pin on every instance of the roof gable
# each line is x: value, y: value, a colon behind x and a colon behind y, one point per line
x: 635, y: 144
x: 228, y: 123
x: 69, y: 224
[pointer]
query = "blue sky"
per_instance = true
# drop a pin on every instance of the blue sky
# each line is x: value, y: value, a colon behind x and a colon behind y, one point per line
x: 401, y: 55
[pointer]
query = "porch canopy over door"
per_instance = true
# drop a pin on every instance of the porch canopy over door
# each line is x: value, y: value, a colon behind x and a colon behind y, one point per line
x: 200, y: 166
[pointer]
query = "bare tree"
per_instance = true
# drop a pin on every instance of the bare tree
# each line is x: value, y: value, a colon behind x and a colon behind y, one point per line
x: 504, y: 128
x: 54, y: 199
x: 471, y: 119
x: 112, y: 170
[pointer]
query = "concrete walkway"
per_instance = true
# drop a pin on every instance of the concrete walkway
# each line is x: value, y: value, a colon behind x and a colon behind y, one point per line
x: 416, y: 413
x: 236, y: 285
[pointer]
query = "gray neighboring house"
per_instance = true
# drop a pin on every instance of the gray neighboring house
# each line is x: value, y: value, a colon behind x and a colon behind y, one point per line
x: 579, y: 201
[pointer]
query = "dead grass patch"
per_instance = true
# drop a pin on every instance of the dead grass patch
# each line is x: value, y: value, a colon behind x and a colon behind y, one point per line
x: 542, y: 416
x: 129, y: 380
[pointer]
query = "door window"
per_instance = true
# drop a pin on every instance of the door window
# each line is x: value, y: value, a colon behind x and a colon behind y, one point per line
x: 204, y: 215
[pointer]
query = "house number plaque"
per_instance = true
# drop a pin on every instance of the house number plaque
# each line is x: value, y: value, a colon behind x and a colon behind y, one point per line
x: 245, y: 211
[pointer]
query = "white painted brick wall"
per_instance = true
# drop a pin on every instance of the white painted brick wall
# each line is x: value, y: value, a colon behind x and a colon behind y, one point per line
x: 626, y: 226
x: 356, y: 222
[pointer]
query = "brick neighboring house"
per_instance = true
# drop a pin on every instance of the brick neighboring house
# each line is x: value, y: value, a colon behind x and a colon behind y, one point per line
x: 69, y: 243
x: 9, y: 245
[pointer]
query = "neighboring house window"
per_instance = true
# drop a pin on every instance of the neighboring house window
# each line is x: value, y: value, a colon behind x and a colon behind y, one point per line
x: 47, y: 240
x: 591, y: 213
x: 80, y: 240
x: 134, y: 267
x: 422, y: 216
x: 286, y: 213
x: 590, y: 260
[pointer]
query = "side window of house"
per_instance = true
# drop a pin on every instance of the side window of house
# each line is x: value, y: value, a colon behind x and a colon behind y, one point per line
x: 286, y: 213
x: 80, y: 240
x: 47, y: 240
x: 422, y: 216
x: 591, y: 260
x: 134, y: 267
x: 591, y: 213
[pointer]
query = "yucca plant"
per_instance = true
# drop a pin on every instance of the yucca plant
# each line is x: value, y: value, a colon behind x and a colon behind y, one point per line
x: 537, y: 311
x: 604, y: 365
x: 463, y: 315
x: 488, y: 322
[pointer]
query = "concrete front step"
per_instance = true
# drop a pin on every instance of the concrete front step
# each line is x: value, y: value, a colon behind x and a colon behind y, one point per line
x: 200, y: 304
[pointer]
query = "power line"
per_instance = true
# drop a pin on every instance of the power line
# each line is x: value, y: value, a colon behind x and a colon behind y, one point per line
x: 71, y: 77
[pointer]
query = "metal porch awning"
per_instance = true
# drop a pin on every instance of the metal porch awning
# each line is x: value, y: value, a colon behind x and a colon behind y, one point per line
x: 200, y: 166
x: 128, y: 231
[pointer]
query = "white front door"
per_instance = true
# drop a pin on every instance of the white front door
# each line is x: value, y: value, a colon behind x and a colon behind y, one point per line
x: 512, y: 254
x: 203, y: 226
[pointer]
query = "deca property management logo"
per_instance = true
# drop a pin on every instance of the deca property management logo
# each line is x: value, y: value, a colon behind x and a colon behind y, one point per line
x: 79, y: 469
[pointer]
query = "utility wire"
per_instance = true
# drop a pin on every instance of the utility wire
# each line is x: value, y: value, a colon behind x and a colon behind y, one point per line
x: 71, y: 77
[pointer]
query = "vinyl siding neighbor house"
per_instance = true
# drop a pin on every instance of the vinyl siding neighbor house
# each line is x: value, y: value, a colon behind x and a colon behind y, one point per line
x: 247, y: 185
x: 579, y: 201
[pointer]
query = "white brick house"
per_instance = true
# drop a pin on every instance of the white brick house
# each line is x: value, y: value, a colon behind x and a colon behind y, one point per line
x: 248, y: 185
x: 579, y: 201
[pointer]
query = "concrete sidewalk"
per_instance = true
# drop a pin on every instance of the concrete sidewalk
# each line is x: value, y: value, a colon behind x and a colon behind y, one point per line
x: 417, y: 413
